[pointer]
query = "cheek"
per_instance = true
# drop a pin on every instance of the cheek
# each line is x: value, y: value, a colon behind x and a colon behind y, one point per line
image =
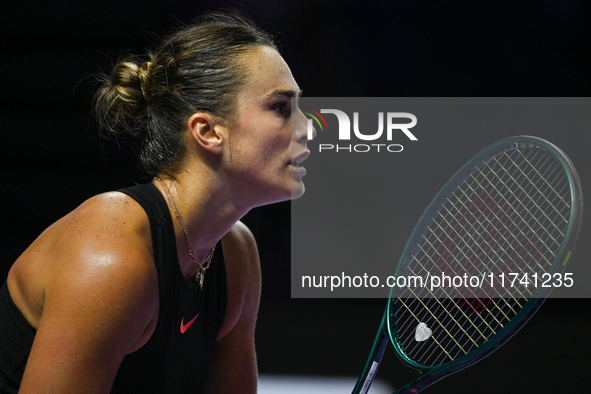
x: 268, y: 148
x: 253, y: 154
x: 259, y: 140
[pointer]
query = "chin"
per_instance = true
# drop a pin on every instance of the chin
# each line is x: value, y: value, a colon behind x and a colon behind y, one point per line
x: 297, y: 190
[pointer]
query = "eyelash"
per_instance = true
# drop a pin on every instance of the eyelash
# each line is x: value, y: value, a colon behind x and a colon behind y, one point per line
x: 283, y: 108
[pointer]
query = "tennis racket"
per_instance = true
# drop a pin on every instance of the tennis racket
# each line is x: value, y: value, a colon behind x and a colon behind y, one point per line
x: 502, y: 230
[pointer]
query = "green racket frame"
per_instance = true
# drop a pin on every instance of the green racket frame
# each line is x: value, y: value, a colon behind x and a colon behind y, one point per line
x: 387, y: 330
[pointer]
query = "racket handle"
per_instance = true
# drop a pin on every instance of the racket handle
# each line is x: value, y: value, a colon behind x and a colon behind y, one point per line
x: 373, y: 360
x: 418, y: 385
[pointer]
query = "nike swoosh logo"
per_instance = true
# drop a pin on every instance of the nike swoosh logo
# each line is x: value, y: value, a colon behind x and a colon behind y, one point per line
x: 185, y: 327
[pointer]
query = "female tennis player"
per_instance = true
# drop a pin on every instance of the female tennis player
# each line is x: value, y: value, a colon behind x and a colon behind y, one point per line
x: 155, y: 288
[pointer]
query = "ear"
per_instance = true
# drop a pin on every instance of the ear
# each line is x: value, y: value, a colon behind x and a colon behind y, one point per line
x: 207, y: 132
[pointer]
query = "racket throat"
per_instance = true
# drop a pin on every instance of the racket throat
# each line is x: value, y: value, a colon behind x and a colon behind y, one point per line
x: 373, y: 361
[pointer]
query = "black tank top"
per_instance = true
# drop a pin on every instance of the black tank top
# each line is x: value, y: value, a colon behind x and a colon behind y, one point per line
x: 16, y: 340
x: 176, y: 359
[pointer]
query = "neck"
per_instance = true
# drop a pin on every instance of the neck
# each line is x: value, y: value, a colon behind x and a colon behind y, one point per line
x: 207, y: 209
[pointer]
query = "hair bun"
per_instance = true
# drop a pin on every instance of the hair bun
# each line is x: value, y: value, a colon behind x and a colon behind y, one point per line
x: 121, y: 101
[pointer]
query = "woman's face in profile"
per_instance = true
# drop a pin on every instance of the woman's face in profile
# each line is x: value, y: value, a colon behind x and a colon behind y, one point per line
x: 268, y: 136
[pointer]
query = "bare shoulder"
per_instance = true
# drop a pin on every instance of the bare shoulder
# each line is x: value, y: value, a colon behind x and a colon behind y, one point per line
x: 89, y: 286
x: 240, y: 242
x: 242, y: 256
x: 102, y: 249
x: 243, y: 273
x: 108, y: 235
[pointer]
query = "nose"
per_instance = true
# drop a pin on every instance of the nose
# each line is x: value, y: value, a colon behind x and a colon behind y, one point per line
x: 303, y: 129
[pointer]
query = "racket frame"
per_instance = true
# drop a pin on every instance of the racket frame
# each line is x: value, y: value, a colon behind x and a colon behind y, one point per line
x: 387, y: 329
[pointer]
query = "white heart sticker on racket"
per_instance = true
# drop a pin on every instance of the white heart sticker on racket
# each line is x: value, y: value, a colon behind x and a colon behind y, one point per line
x: 422, y: 332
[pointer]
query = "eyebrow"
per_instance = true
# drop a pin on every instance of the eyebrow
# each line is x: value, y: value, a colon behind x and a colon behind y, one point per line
x: 287, y: 93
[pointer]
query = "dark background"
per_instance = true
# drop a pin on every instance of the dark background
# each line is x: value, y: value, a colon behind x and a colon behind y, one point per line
x: 52, y: 159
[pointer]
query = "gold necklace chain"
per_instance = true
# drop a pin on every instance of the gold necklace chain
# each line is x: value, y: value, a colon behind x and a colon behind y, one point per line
x: 202, y: 267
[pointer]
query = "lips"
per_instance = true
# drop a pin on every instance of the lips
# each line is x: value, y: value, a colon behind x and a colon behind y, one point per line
x: 294, y: 164
x: 296, y: 161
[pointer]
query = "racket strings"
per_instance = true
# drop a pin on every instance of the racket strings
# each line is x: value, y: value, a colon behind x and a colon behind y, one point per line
x: 553, y: 172
x: 409, y: 310
x: 503, y: 239
x: 457, y: 293
x: 519, y: 215
x: 509, y: 215
x: 512, y: 221
x: 479, y: 328
x: 458, y: 309
x: 533, y: 167
x: 475, y: 242
x: 462, y: 269
x: 493, y: 249
x: 438, y: 348
x: 479, y: 248
x: 467, y: 258
x: 449, y: 297
x: 519, y: 201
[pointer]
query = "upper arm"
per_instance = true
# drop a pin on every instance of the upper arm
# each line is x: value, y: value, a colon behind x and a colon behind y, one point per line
x: 234, y: 364
x: 100, y: 299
